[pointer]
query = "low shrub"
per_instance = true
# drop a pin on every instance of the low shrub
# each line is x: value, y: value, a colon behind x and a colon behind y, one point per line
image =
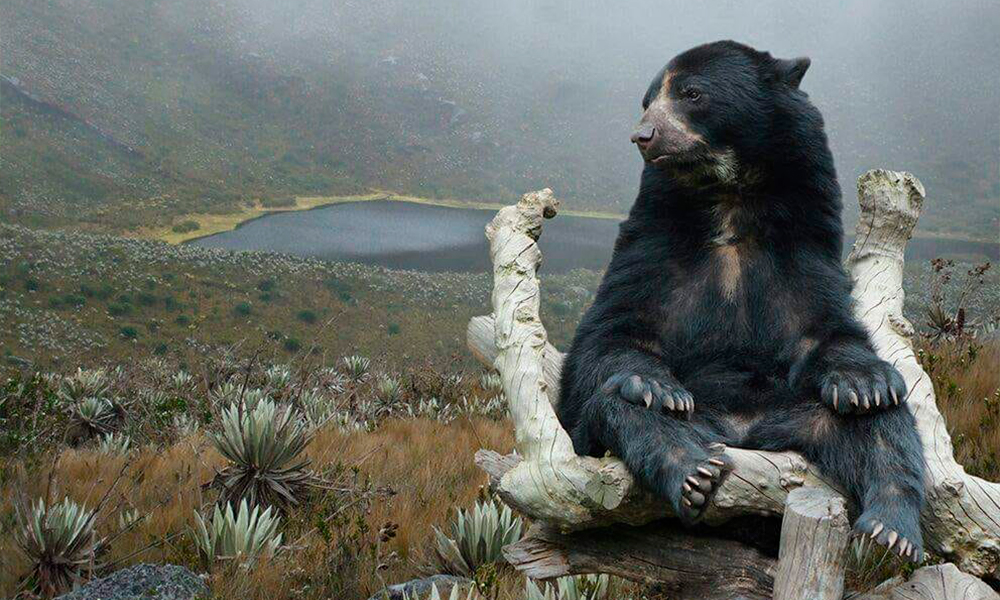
x: 573, y: 587
x: 264, y: 446
x: 59, y: 542
x: 477, y: 537
x: 279, y: 202
x: 118, y: 309
x: 186, y: 227
x: 146, y: 299
x: 243, y: 536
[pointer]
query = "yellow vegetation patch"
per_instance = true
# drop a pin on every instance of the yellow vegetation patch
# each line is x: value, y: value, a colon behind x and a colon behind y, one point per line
x: 209, y: 224
x: 967, y: 385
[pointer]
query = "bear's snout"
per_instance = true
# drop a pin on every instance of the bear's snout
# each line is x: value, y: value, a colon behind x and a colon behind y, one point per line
x: 663, y: 134
x: 643, y: 135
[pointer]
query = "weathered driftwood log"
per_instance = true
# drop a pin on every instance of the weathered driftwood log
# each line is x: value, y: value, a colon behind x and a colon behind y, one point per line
x: 688, y: 565
x: 553, y: 485
x: 480, y: 335
x: 940, y: 582
x: 815, y: 533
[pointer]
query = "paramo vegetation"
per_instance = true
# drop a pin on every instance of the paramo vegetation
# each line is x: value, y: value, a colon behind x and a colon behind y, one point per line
x: 306, y: 472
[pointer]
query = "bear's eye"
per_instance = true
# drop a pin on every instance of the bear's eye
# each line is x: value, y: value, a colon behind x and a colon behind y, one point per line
x: 692, y: 93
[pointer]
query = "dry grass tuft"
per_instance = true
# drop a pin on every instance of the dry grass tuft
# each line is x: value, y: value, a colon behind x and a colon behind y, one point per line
x: 966, y: 376
x: 418, y: 469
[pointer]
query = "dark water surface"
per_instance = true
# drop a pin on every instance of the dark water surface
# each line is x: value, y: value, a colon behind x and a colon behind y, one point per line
x: 403, y: 235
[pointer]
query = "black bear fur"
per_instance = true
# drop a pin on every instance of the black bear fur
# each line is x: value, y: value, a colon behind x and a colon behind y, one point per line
x: 725, y: 315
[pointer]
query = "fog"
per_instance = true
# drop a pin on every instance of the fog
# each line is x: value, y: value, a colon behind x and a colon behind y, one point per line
x: 902, y: 84
x: 486, y: 100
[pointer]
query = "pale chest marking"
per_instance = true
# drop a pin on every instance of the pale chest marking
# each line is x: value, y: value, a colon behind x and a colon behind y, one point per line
x: 727, y: 253
x: 730, y: 272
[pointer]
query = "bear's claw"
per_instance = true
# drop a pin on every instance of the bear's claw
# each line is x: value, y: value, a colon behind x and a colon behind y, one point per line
x: 910, y: 550
x: 660, y: 394
x: 862, y: 390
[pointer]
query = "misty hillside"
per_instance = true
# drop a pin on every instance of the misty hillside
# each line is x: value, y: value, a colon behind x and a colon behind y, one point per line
x: 165, y: 108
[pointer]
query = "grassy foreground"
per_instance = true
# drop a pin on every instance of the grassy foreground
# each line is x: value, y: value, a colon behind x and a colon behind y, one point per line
x: 181, y: 333
x: 393, y: 448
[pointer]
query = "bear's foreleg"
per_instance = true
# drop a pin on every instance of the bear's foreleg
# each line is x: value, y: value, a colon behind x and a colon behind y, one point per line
x: 681, y: 461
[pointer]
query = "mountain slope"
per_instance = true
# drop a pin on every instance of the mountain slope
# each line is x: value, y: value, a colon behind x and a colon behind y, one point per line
x: 119, y: 114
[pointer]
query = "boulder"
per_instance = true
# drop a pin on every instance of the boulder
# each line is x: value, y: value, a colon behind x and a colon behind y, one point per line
x: 145, y: 582
x: 421, y: 588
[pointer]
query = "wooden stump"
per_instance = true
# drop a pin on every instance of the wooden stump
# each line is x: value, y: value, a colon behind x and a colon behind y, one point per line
x: 815, y: 533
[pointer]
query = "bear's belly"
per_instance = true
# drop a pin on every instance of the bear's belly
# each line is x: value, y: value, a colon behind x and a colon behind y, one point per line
x: 751, y: 317
x: 741, y: 353
x: 737, y: 426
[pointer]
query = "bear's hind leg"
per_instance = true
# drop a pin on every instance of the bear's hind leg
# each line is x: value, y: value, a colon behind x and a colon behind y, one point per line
x: 876, y: 458
x: 892, y: 495
x: 683, y: 462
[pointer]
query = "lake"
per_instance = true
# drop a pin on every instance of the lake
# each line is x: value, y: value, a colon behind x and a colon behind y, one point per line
x: 405, y: 235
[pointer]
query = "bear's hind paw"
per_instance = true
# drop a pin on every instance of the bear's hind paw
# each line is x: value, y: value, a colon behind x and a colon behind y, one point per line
x: 909, y: 549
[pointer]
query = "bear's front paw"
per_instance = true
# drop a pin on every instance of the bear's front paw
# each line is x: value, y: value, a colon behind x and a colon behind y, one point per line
x: 660, y: 393
x: 860, y: 389
x: 701, y: 484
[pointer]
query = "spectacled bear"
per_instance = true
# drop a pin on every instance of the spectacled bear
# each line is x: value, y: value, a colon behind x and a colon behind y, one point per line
x: 725, y: 315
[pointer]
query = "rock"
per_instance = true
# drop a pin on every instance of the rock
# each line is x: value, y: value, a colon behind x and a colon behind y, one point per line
x: 420, y: 588
x: 143, y: 582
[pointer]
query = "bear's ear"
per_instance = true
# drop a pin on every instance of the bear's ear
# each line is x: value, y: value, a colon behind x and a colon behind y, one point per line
x: 791, y: 71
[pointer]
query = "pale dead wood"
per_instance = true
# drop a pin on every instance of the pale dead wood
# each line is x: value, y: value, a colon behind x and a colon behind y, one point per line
x: 479, y: 338
x: 961, y: 520
x: 940, y: 582
x: 551, y: 484
x: 812, y: 559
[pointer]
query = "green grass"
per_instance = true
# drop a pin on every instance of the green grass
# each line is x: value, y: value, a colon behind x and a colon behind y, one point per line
x: 96, y: 300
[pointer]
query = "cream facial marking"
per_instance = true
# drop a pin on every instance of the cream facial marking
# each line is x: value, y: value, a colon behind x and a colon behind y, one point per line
x: 664, y: 116
x: 665, y: 84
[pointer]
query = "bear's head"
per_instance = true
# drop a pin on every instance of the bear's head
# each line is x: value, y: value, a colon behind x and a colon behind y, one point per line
x: 715, y: 110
